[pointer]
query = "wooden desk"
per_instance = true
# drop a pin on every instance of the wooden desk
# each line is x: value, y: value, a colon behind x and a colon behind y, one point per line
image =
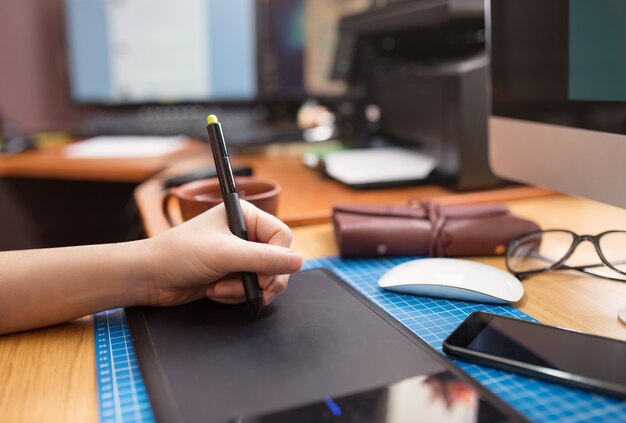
x: 306, y: 197
x: 51, y: 163
x: 49, y: 374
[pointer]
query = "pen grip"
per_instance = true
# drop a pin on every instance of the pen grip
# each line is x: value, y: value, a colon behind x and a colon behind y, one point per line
x: 237, y: 226
x: 234, y: 215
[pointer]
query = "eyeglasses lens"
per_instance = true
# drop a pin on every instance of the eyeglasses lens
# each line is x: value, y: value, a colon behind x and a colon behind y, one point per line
x: 538, y: 251
x: 613, y: 247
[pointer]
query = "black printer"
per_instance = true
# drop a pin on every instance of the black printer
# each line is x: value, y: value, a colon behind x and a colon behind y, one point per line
x: 423, y: 66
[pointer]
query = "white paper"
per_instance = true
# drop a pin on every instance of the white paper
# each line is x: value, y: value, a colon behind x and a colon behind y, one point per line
x: 125, y: 147
x: 376, y: 165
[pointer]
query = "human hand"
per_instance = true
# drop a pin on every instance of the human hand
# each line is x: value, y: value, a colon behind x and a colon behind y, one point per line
x: 202, y: 258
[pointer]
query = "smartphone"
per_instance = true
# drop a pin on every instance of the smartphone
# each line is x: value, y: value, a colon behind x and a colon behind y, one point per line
x: 546, y: 352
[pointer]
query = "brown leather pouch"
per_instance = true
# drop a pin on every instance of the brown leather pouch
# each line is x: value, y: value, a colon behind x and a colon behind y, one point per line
x: 426, y: 229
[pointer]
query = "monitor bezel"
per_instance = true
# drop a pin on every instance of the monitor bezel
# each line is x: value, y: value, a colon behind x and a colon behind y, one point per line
x: 564, y: 158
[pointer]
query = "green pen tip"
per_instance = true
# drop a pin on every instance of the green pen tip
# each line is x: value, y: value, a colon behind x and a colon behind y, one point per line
x: 211, y: 119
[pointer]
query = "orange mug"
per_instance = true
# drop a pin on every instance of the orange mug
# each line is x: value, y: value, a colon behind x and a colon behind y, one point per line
x: 197, y: 197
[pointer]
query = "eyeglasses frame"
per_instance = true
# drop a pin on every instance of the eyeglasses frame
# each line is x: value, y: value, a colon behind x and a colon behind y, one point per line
x: 560, y: 264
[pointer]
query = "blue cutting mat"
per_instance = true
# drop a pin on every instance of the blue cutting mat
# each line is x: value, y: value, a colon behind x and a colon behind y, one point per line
x: 123, y: 398
x: 122, y: 395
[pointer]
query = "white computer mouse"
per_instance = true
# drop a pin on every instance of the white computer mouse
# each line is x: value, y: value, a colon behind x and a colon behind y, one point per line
x: 455, y: 279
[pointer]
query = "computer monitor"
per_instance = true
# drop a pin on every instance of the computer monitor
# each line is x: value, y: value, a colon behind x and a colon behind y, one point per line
x: 559, y: 95
x: 184, y: 51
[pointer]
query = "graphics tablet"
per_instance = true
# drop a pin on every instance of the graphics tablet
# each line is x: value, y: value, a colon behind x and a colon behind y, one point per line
x: 319, y: 352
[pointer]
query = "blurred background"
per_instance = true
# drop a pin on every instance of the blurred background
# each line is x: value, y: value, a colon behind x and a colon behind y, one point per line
x: 66, y: 61
x: 340, y: 74
x: 94, y: 67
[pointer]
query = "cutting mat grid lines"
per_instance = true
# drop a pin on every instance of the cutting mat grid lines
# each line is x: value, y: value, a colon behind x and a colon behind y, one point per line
x: 123, y: 396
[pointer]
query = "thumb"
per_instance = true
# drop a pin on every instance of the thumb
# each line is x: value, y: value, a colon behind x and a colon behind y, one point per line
x: 263, y: 258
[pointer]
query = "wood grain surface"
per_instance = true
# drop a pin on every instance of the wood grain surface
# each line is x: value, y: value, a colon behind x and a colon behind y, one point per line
x: 49, y: 375
x: 52, y: 163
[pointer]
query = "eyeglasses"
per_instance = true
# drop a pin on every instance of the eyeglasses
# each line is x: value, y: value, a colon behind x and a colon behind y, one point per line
x: 543, y: 251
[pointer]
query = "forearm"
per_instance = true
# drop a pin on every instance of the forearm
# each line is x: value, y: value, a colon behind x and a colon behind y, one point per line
x: 192, y: 261
x: 44, y: 287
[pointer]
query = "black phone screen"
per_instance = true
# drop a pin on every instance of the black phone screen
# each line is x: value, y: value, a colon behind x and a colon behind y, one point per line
x: 539, y: 350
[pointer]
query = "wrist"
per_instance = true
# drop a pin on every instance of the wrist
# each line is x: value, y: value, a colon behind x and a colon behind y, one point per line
x: 153, y: 261
x: 137, y: 281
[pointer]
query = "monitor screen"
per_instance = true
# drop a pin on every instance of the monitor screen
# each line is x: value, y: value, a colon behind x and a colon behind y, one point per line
x: 281, y: 40
x: 559, y: 95
x: 161, y: 51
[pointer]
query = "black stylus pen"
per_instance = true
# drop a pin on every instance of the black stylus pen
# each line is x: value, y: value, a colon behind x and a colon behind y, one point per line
x: 237, y: 226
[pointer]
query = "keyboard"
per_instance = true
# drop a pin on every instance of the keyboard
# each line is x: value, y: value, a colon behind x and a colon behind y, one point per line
x: 240, y: 126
